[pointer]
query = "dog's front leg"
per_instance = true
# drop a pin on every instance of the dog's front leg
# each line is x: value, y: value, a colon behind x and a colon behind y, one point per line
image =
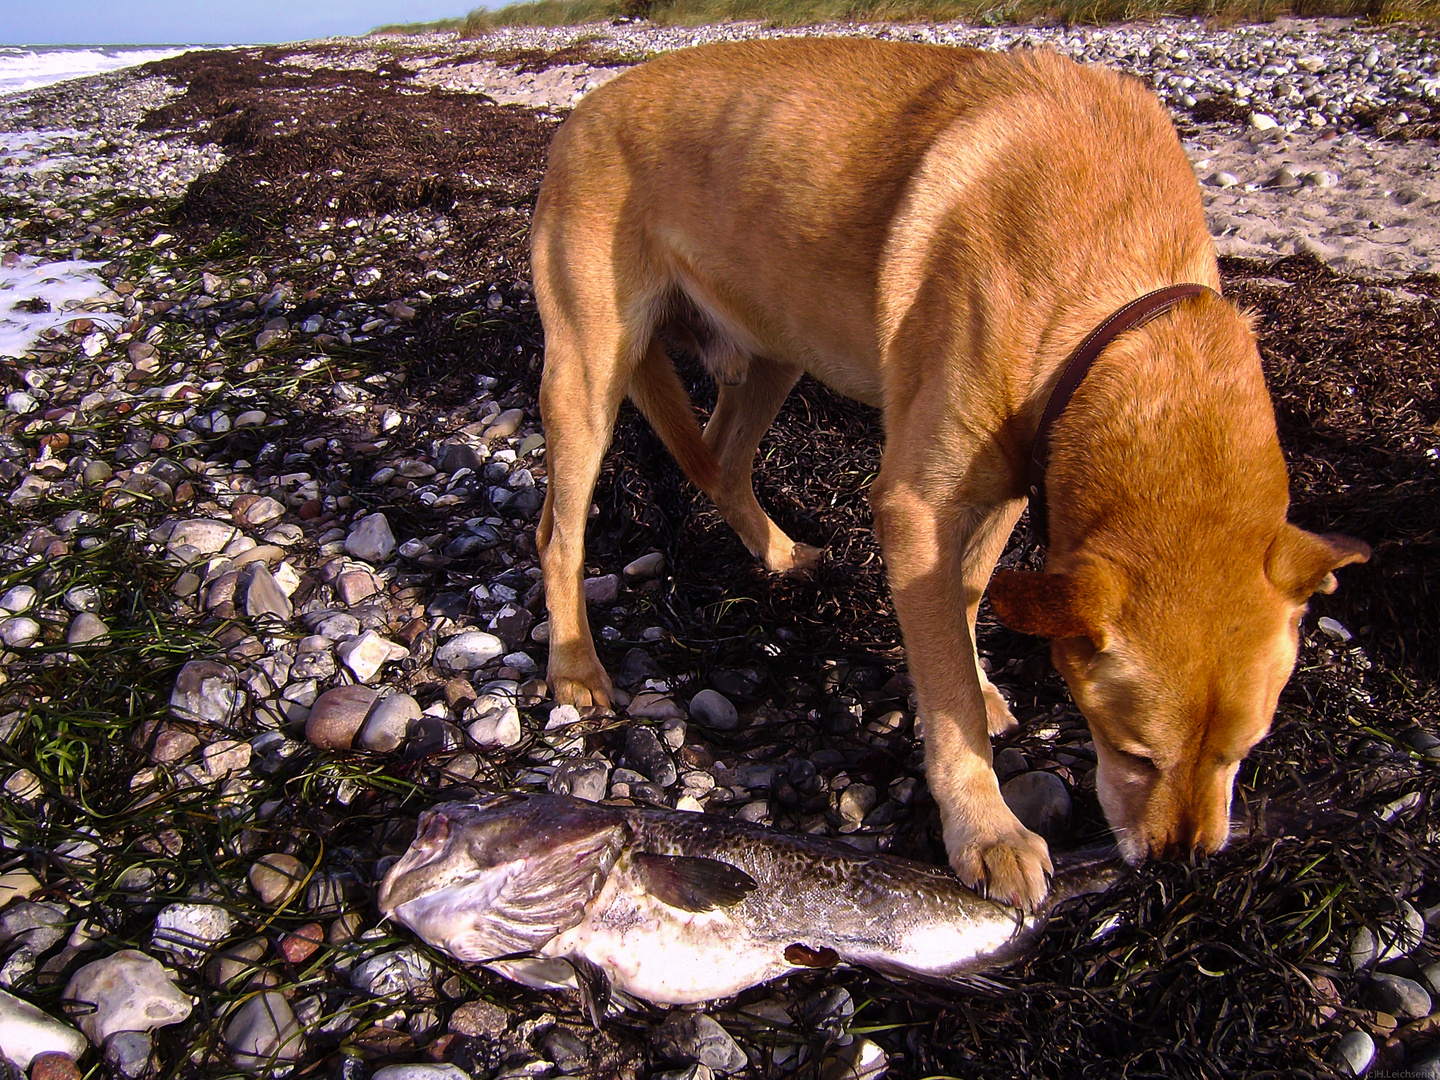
x: 927, y: 541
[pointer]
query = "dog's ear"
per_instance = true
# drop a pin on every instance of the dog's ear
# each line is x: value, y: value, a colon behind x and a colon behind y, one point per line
x: 1050, y: 605
x: 1301, y: 563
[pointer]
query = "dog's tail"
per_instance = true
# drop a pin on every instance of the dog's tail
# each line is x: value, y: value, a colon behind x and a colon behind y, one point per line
x: 661, y: 398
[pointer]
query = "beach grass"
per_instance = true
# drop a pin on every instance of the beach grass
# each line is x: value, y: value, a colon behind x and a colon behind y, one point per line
x: 983, y: 12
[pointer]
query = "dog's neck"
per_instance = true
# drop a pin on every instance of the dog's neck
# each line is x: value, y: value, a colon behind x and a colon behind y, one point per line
x: 1169, y: 440
x: 1131, y: 316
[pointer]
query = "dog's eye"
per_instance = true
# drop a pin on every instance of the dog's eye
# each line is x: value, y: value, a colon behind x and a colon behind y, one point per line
x: 1139, y: 762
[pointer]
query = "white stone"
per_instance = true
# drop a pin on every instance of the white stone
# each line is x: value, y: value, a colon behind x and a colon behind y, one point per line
x: 19, y: 600
x: 126, y: 991
x: 366, y: 654
x: 469, y: 650
x: 26, y: 1033
x: 371, y: 539
x: 189, y: 931
x: 204, y: 534
x: 497, y: 726
x: 19, y: 632
x: 388, y: 723
x: 263, y: 1031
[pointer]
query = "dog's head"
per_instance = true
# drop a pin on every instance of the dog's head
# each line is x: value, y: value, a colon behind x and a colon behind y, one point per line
x: 1176, y: 686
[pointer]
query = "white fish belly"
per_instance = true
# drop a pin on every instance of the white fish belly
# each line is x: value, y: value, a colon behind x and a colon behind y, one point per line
x: 667, y: 956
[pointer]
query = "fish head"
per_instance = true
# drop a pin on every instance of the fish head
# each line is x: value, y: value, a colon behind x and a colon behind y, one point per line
x: 502, y: 876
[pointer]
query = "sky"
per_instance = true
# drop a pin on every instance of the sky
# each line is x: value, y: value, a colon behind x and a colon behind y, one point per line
x: 145, y: 22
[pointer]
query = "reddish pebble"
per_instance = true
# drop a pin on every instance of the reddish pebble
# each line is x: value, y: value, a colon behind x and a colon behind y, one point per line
x: 159, y: 442
x: 310, y: 509
x: 54, y: 1066
x: 300, y: 945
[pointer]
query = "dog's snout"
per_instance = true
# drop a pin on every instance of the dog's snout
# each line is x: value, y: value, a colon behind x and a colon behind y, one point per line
x: 1188, y: 837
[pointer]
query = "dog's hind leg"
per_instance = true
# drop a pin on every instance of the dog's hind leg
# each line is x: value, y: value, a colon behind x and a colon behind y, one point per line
x: 743, y: 413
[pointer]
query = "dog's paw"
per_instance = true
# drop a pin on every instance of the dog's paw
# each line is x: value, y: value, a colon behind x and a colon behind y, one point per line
x: 1013, y: 869
x: 589, y: 691
x: 804, y: 558
x: 998, y: 717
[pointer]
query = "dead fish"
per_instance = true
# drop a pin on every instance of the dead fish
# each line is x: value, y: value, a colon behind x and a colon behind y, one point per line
x: 676, y: 908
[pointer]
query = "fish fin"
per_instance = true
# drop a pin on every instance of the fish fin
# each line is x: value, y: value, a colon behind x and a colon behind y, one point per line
x: 693, y: 884
x: 594, y: 987
x: 807, y: 956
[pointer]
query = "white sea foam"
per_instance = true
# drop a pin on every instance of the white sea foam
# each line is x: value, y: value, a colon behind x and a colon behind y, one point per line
x: 25, y: 67
x: 56, y: 284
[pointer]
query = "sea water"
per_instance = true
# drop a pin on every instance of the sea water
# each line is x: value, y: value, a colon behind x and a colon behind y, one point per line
x: 24, y: 67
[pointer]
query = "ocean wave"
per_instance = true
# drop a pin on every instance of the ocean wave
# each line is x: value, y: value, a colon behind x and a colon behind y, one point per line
x: 28, y: 67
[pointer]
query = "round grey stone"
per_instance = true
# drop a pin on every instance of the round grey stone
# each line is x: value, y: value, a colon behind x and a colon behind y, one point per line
x: 85, y: 629
x: 699, y: 1038
x: 714, y: 710
x: 581, y: 778
x: 421, y: 1070
x: 1042, y: 803
x: 1401, y: 997
x: 264, y: 1032
x: 128, y: 1053
x: 206, y: 692
x: 1353, y: 1054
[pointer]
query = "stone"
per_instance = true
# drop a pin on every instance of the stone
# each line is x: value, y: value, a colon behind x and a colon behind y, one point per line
x: 856, y: 801
x: 644, y: 753
x: 1042, y: 803
x: 1401, y: 997
x: 356, y: 586
x: 19, y: 599
x: 54, y: 1066
x: 337, y: 716
x: 581, y: 778
x: 505, y: 424
x: 189, y: 932
x: 1367, y: 948
x: 714, y: 710
x: 653, y: 705
x: 26, y: 1033
x: 699, y: 1038
x: 565, y: 1049
x: 421, y: 1070
x: 645, y: 568
x: 1353, y: 1054
x: 388, y: 723
x: 258, y: 512
x: 860, y: 1060
x: 469, y: 650
x: 277, y: 878
x: 368, y: 653
x: 19, y: 632
x: 496, y: 723
x: 300, y: 945
x: 17, y: 885
x: 511, y: 625
x: 1423, y: 1068
x: 263, y: 1032
x: 126, y: 991
x: 403, y: 971
x: 480, y: 1019
x: 87, y: 629
x: 371, y: 539
x: 602, y: 591
x: 265, y: 597
x: 207, y: 692
x: 205, y: 535
x: 128, y: 1053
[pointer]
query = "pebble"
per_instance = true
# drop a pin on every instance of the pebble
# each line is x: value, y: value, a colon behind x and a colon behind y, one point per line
x: 189, y: 931
x: 388, y: 723
x: 602, y: 591
x: 698, y: 1038
x: 368, y: 653
x: 26, y: 1032
x: 714, y: 709
x: 263, y: 1032
x: 128, y: 1053
x: 19, y: 599
x: 469, y: 651
x: 1367, y: 948
x: 19, y: 632
x: 337, y: 716
x: 54, y: 1066
x: 644, y: 752
x: 497, y: 724
x: 265, y: 597
x: 1042, y: 803
x: 371, y: 539
x: 582, y: 778
x: 1401, y: 997
x: 87, y: 629
x: 420, y: 1070
x: 126, y: 991
x: 860, y: 1060
x: 391, y: 973
x: 480, y: 1018
x: 645, y: 568
x: 1353, y: 1054
x: 277, y: 878
x: 207, y: 692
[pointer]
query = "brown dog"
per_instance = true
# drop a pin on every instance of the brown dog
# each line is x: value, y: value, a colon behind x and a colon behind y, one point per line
x: 933, y: 231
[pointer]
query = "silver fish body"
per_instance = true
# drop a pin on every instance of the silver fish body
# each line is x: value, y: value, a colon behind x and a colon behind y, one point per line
x: 676, y: 908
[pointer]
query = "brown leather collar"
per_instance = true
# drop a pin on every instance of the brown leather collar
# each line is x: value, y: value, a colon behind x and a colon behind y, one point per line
x: 1136, y: 313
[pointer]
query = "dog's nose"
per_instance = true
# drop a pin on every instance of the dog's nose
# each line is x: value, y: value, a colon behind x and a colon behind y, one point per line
x: 1187, y: 838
